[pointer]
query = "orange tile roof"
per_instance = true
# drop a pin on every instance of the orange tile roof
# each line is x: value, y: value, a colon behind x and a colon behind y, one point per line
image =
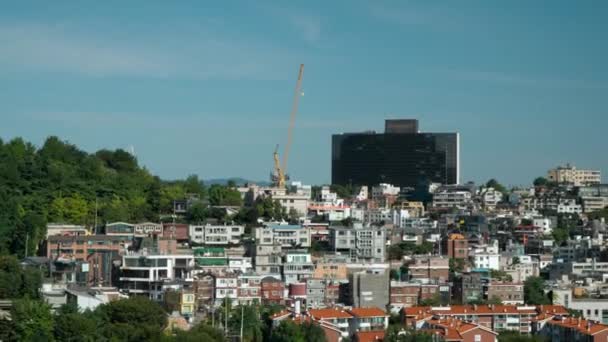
x: 367, y: 312
x: 328, y: 313
x: 453, y: 329
x: 581, y: 325
x: 420, y: 312
x: 370, y: 336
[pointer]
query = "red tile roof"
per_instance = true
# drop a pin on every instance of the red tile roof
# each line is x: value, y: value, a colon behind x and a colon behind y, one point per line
x: 420, y: 312
x: 328, y: 313
x: 367, y: 312
x: 370, y: 336
x: 582, y: 326
x: 453, y: 329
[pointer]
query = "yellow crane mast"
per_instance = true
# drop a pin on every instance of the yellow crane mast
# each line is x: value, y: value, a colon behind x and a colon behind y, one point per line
x: 280, y: 170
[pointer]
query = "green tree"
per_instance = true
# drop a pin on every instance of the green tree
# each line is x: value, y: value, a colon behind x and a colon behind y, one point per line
x: 540, y: 181
x: 560, y: 235
x: 512, y: 336
x: 313, y: 332
x: 224, y: 195
x: 456, y: 265
x: 395, y: 252
x: 197, y: 213
x: 32, y: 320
x: 287, y: 331
x: 133, y: 319
x: 435, y: 300
x: 534, y: 291
x: 72, y: 326
x: 200, y: 332
x: 493, y: 183
x: 252, y: 326
x: 193, y: 185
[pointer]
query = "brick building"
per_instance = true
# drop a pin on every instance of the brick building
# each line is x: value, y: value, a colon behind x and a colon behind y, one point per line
x: 508, y: 293
x: 431, y: 267
x: 273, y: 291
x: 457, y: 246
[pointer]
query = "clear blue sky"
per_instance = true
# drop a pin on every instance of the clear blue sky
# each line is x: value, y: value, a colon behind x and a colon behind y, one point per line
x: 206, y: 87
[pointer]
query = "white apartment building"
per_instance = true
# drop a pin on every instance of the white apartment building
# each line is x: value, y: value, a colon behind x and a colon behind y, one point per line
x: 569, y: 206
x: 452, y: 199
x: 384, y: 189
x: 543, y: 223
x: 359, y: 242
x: 570, y: 174
x: 490, y: 197
x: 298, y: 266
x: 363, y: 194
x: 299, y: 203
x: 216, y: 234
x: 53, y: 229
x: 146, y: 274
x: 379, y: 216
x: 226, y: 286
x: 486, y: 260
x: 285, y: 235
x: 148, y: 228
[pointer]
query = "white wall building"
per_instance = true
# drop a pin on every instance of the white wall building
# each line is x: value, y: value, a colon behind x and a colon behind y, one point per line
x: 216, y: 234
x: 285, y: 235
x: 384, y: 189
x: 451, y: 199
x: 570, y: 174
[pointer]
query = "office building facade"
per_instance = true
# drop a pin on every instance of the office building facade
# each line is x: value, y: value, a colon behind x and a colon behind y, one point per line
x: 401, y: 156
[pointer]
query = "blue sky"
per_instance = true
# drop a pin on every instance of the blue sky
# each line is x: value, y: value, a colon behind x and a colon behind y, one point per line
x: 206, y: 87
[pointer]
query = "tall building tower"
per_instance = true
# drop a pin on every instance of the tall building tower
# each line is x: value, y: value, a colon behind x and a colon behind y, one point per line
x: 401, y: 156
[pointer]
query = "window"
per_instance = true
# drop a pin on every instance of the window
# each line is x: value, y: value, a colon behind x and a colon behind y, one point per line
x: 477, y: 338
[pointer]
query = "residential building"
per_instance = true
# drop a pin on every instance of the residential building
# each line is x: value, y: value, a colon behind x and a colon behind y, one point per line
x: 457, y: 246
x: 571, y: 175
x: 120, y: 229
x: 146, y: 274
x: 338, y: 318
x: 520, y: 319
x: 176, y: 231
x: 79, y: 247
x: 590, y: 308
x: 446, y: 199
x: 567, y: 329
x: 148, y: 229
x: 450, y: 329
x: 315, y: 293
x: 294, y: 202
x: 273, y: 290
x: 268, y: 259
x: 399, y: 157
x: 367, y: 288
x: 297, y: 267
x: 53, y: 229
x: 286, y: 235
x: 508, y: 293
x: 187, y: 303
x: 468, y: 287
x: 435, y: 268
x: 226, y: 286
x: 216, y: 234
x: 249, y: 289
x: 368, y: 319
x: 359, y: 242
x: 403, y: 295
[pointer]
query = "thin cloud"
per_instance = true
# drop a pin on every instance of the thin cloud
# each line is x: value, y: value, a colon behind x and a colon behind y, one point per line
x: 512, y: 79
x: 58, y: 49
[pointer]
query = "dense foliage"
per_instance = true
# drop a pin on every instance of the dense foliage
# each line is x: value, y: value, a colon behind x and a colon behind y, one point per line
x: 534, y: 292
x: 133, y: 319
x: 60, y: 183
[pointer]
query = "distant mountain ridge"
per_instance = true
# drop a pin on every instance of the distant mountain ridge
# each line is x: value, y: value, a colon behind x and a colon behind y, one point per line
x: 237, y: 180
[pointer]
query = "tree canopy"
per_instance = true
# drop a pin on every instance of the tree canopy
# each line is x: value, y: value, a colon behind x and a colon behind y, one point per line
x: 534, y: 291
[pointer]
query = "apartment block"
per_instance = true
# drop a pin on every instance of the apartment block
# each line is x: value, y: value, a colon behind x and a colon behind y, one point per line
x: 508, y: 293
x: 359, y: 242
x: 216, y: 234
x: 571, y: 175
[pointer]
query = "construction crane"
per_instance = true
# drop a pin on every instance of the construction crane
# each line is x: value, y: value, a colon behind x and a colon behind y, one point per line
x: 279, y: 175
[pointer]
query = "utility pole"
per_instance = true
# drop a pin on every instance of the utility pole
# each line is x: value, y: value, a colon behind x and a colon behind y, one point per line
x: 95, y: 215
x: 242, y: 314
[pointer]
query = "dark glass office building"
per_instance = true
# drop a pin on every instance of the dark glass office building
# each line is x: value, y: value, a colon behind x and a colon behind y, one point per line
x: 401, y: 156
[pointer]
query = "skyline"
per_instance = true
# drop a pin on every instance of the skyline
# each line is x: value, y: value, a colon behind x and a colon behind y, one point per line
x: 216, y: 84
